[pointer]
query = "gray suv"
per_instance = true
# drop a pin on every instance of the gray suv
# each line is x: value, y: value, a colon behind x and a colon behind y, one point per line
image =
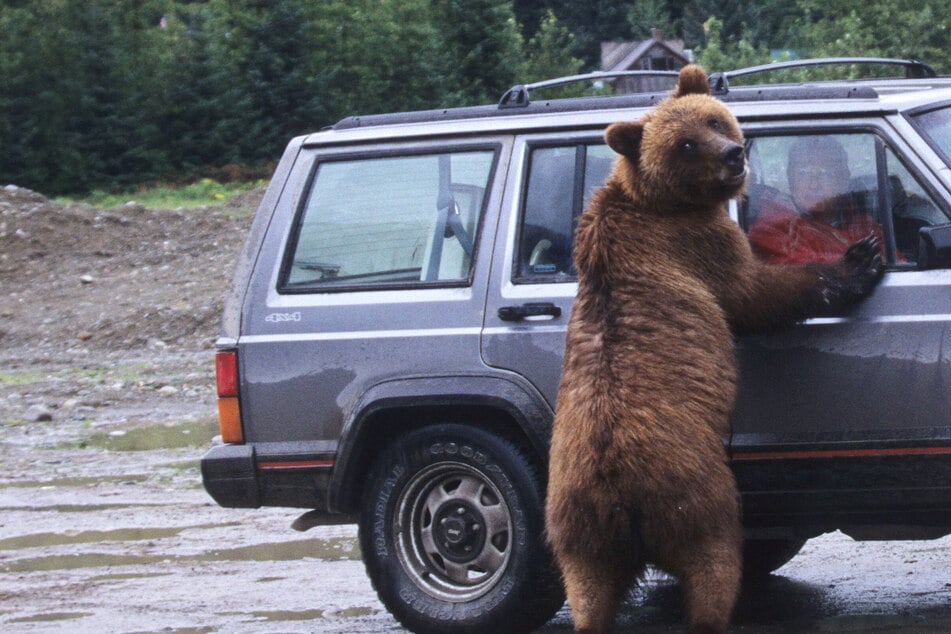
x: 392, y: 341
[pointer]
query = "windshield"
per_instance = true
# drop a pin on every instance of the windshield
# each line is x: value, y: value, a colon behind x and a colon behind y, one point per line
x: 935, y: 126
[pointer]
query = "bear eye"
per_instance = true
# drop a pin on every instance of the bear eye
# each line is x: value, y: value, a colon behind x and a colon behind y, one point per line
x: 688, y: 146
x: 714, y: 123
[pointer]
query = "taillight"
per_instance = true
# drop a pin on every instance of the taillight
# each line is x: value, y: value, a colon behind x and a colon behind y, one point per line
x: 229, y: 411
x: 226, y: 373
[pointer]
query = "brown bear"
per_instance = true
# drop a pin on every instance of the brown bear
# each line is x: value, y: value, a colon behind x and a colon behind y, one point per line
x: 638, y: 472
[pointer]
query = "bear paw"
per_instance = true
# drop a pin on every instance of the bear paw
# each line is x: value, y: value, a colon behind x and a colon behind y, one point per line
x: 854, y: 275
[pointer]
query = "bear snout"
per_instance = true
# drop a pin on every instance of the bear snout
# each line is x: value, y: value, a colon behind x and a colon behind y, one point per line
x: 734, y: 158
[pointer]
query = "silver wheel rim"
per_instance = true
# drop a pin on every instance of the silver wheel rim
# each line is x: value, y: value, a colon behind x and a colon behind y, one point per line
x: 453, y: 532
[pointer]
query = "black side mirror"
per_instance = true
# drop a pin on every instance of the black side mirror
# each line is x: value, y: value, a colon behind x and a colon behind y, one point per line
x: 934, y: 247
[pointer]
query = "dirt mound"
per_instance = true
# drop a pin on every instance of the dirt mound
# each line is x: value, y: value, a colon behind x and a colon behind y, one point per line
x: 79, y: 276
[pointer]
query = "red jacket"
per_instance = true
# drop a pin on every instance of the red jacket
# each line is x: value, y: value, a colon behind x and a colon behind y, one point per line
x: 782, y: 235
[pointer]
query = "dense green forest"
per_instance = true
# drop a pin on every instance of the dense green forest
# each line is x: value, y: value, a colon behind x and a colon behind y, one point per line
x: 113, y: 93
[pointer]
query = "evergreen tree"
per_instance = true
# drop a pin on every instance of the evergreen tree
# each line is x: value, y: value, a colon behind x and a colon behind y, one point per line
x: 900, y: 28
x: 594, y: 22
x: 646, y: 15
x: 549, y: 53
x: 482, y: 48
x: 103, y: 93
x: 717, y: 55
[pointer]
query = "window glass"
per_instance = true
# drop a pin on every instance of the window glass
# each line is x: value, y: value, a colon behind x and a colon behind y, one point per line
x: 912, y: 208
x: 560, y: 183
x: 393, y: 220
x: 936, y: 127
x: 809, y: 197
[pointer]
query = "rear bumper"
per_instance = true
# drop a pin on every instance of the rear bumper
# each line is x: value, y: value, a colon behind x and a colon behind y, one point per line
x: 229, y: 475
x: 246, y: 476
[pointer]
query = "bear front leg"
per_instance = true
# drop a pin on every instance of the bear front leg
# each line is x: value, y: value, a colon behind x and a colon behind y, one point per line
x: 853, y: 276
x: 773, y: 297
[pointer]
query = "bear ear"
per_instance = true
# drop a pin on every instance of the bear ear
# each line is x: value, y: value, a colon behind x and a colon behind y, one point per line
x: 692, y: 81
x: 625, y: 138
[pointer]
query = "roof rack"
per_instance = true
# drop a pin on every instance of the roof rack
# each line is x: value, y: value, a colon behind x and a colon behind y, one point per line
x: 517, y: 96
x: 914, y: 69
x: 516, y: 100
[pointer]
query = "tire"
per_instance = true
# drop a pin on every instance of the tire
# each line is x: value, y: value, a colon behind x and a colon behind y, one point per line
x: 763, y: 556
x: 452, y: 534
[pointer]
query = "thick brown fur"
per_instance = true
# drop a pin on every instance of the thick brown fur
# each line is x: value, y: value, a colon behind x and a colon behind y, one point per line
x: 638, y: 472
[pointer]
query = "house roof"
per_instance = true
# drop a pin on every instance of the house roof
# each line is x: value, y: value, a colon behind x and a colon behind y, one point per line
x: 625, y: 55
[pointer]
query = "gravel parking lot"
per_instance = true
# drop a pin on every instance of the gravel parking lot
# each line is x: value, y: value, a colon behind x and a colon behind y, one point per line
x: 107, y: 404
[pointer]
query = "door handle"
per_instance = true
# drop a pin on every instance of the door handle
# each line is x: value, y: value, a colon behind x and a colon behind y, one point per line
x: 531, y: 309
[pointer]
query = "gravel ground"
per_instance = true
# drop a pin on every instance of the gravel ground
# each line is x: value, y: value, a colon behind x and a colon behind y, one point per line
x: 107, y: 319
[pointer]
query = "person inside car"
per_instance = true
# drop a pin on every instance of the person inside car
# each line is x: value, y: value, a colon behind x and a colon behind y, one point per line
x: 820, y: 218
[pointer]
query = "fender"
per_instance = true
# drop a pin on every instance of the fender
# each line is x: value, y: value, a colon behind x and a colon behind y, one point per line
x: 508, y: 394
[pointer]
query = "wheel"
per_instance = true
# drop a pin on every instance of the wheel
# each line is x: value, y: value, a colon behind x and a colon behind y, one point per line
x: 452, y: 534
x: 763, y: 556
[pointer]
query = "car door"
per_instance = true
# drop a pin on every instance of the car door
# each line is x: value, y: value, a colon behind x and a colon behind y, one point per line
x: 533, y: 283
x: 847, y: 417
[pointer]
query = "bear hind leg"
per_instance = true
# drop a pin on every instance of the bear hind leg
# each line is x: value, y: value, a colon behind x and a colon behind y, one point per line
x: 595, y: 589
x: 711, y: 583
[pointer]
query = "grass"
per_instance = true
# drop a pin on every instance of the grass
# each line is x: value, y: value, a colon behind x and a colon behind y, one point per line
x: 21, y: 378
x: 197, y: 194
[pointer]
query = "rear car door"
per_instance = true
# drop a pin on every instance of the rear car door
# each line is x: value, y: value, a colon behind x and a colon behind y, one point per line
x: 533, y: 283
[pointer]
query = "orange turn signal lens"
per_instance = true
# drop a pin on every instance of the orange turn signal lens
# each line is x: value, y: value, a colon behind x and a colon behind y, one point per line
x: 229, y: 410
x: 229, y: 420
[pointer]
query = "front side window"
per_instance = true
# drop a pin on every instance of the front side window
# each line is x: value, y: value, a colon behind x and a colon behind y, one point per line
x: 809, y: 197
x: 400, y: 220
x: 560, y: 182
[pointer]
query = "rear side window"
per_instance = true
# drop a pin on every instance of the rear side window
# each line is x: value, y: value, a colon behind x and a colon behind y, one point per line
x: 560, y: 182
x: 390, y: 221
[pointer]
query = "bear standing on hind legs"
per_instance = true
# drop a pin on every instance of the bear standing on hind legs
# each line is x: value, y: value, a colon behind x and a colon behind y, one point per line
x: 638, y: 473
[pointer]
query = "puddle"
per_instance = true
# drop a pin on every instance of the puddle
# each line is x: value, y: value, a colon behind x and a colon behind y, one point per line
x: 306, y: 615
x: 862, y: 623
x: 288, y: 615
x: 73, y: 482
x: 74, y: 562
x: 76, y: 508
x: 180, y: 630
x: 335, y: 549
x: 130, y: 575
x: 39, y: 540
x: 185, y: 465
x: 168, y: 436
x: 50, y: 617
x: 352, y: 612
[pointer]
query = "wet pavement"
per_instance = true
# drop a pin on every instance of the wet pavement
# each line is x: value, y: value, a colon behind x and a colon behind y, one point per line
x: 104, y: 527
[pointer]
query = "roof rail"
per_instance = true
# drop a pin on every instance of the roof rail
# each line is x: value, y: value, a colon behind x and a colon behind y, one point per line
x: 517, y: 96
x: 915, y: 69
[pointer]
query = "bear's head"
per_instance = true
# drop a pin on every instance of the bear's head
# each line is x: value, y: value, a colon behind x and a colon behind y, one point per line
x: 687, y: 153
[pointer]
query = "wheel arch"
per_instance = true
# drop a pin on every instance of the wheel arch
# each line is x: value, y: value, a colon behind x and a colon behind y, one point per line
x: 511, y: 409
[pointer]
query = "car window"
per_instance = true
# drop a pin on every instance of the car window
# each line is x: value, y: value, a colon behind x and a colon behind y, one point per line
x: 560, y: 182
x: 935, y: 126
x: 811, y: 196
x: 390, y: 221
